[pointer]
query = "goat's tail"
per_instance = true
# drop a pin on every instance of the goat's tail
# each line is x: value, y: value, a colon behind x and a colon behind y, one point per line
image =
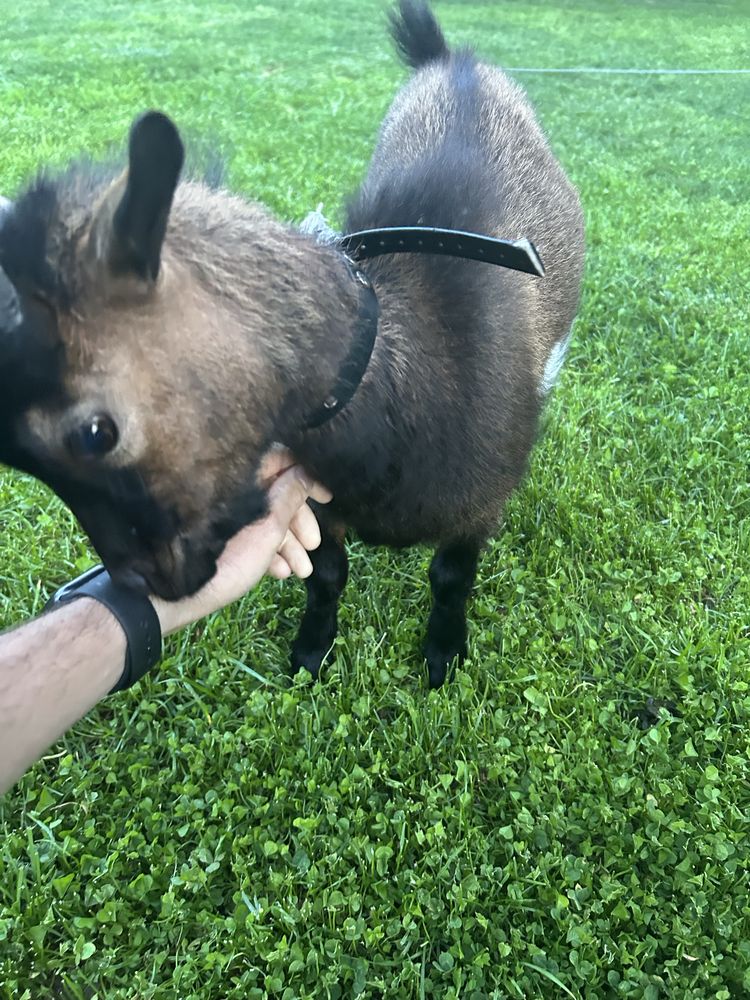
x: 417, y: 34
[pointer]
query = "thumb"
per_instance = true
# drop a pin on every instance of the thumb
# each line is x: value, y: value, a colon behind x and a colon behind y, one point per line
x: 288, y: 493
x: 294, y: 486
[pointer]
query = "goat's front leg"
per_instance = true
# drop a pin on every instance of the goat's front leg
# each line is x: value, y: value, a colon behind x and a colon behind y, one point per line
x: 452, y: 573
x: 319, y: 623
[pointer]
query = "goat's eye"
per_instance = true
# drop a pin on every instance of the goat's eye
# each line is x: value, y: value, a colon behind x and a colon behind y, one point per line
x: 95, y: 438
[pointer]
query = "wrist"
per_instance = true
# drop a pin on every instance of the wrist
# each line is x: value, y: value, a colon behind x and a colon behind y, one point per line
x: 174, y: 615
x: 168, y: 614
x: 134, y: 612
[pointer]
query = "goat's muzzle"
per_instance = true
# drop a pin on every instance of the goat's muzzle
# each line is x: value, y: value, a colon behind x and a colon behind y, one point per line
x: 173, y: 571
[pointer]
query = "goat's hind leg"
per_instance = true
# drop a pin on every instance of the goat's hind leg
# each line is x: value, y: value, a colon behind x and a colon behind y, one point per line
x: 452, y: 574
x: 324, y: 586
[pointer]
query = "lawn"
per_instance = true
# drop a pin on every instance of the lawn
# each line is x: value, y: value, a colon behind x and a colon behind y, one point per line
x: 571, y: 816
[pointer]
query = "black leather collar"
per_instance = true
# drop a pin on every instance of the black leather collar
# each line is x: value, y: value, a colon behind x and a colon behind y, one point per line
x: 519, y: 255
x: 358, y: 357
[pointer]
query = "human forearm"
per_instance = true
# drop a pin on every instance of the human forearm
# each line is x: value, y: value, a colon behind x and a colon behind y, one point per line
x: 55, y: 668
x: 52, y: 671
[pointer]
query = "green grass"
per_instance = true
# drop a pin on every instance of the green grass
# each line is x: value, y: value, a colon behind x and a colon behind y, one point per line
x: 539, y: 828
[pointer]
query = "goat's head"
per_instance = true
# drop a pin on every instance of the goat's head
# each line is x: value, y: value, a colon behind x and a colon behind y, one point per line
x: 116, y: 354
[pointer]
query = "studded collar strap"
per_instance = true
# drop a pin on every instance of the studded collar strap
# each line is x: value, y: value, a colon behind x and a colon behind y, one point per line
x: 355, y: 363
x: 518, y: 255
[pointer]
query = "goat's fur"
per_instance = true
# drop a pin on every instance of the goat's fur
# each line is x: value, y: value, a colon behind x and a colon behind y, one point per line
x: 210, y: 342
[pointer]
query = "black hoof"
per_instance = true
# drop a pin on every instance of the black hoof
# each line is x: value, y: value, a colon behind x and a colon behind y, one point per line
x: 441, y: 661
x: 310, y: 660
x: 437, y: 673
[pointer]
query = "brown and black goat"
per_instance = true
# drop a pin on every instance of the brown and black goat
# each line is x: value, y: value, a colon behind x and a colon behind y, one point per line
x: 159, y: 335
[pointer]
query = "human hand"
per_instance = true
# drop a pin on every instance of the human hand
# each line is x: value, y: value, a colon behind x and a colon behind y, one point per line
x: 277, y: 545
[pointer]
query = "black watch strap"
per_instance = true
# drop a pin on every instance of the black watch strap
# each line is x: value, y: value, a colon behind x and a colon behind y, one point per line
x: 133, y: 611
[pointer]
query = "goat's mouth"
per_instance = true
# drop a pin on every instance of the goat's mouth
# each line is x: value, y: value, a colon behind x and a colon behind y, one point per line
x: 153, y: 581
x: 178, y: 571
x: 157, y: 552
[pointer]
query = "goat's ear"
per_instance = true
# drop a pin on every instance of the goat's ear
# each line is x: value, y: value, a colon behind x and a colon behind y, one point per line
x: 10, y: 307
x: 131, y: 222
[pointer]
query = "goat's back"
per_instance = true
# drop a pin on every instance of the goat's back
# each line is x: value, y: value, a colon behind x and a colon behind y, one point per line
x: 461, y: 147
x: 448, y: 413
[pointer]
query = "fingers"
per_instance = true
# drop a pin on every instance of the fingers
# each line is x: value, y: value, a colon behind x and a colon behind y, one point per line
x: 303, y: 536
x: 320, y: 493
x: 289, y: 493
x: 279, y: 568
x: 295, y: 556
x: 304, y: 526
x: 292, y: 515
x: 286, y: 496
